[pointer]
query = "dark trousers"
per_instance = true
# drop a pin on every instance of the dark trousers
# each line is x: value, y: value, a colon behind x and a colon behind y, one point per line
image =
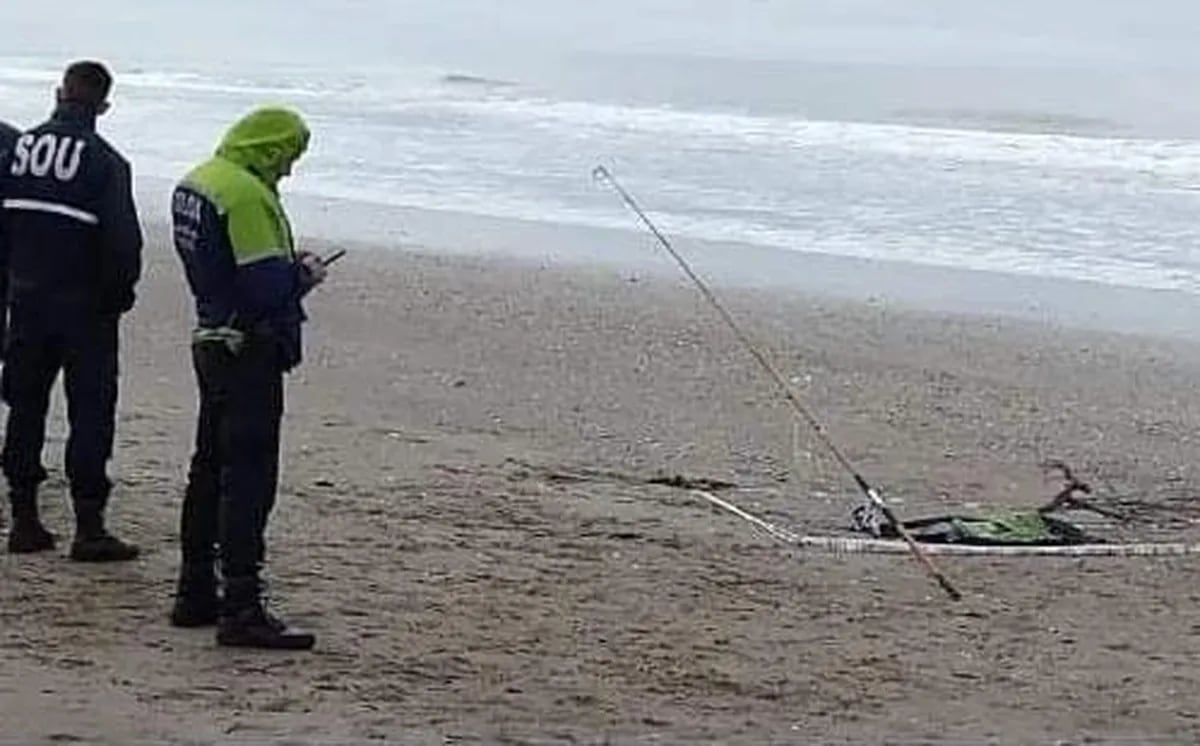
x: 41, y: 342
x: 235, y: 466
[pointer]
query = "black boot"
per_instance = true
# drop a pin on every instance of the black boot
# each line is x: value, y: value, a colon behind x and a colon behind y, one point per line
x: 246, y: 623
x: 93, y: 543
x: 196, y: 602
x: 27, y: 534
x: 28, y: 537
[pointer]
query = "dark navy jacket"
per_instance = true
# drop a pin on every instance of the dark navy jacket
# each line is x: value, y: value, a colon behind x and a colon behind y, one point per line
x: 72, y: 242
x: 262, y: 297
x: 8, y: 137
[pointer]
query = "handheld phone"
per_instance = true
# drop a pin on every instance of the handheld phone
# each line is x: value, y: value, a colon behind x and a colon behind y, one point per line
x: 333, y: 257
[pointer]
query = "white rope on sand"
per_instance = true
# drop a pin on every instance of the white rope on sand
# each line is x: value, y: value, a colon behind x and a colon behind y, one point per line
x: 855, y: 545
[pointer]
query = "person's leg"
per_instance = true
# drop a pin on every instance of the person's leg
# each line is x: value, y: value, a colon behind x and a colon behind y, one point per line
x: 91, y: 368
x: 250, y: 439
x: 196, y: 602
x: 273, y: 409
x: 31, y: 364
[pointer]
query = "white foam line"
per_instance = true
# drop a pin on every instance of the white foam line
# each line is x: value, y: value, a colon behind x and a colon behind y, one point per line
x: 1174, y: 157
x: 852, y: 545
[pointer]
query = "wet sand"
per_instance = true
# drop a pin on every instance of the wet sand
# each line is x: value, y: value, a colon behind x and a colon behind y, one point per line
x: 465, y: 522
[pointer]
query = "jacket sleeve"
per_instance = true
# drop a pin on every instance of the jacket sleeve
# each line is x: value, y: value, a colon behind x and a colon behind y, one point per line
x: 266, y: 289
x: 8, y: 137
x: 266, y: 279
x: 121, y: 239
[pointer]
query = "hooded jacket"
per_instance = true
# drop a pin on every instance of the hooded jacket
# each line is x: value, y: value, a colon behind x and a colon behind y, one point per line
x: 235, y: 240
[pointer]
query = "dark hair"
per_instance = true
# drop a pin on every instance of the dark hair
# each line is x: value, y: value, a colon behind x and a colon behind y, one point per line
x: 86, y: 82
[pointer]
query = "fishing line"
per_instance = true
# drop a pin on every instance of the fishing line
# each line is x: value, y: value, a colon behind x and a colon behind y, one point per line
x: 600, y: 173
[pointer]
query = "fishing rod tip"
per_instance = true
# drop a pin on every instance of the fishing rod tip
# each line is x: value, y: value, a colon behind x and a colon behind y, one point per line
x: 600, y: 172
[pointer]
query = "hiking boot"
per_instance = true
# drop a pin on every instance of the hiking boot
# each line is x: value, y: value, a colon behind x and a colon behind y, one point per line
x: 28, y: 537
x: 102, y: 547
x: 27, y: 534
x: 255, y: 627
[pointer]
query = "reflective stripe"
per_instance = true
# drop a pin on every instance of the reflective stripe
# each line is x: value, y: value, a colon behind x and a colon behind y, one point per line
x: 37, y: 205
x: 228, y: 336
x: 261, y: 254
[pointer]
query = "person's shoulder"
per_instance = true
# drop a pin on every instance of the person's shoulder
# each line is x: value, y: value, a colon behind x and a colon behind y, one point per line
x: 227, y: 186
x: 109, y: 151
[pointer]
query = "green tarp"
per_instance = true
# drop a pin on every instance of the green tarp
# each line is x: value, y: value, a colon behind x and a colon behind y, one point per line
x: 996, y: 527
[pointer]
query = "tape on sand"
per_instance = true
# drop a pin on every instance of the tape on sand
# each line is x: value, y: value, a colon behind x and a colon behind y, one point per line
x: 856, y: 545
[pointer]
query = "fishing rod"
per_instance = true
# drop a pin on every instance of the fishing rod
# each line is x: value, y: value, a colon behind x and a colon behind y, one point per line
x: 600, y: 173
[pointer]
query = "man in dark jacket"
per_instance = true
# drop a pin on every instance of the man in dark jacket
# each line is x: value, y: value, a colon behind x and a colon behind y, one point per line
x: 73, y: 257
x: 247, y: 280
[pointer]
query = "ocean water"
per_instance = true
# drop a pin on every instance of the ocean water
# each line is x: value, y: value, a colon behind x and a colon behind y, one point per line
x: 1058, y: 138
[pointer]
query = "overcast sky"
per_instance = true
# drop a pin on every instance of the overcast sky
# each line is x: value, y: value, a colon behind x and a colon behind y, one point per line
x: 1145, y: 32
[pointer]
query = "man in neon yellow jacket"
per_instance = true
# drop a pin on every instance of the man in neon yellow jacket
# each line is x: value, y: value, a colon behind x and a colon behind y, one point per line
x: 248, y: 281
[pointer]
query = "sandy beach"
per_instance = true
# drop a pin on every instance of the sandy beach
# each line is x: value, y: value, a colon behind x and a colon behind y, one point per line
x: 466, y: 523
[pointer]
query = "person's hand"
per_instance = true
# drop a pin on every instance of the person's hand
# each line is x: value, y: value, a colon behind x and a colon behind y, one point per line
x: 312, y: 268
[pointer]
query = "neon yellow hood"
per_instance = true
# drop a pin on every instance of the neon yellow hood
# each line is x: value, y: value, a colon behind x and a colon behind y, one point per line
x: 266, y: 141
